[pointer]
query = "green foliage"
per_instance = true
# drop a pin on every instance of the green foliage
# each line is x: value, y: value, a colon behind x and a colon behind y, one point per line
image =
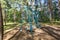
x: 43, y: 17
x: 55, y: 11
x: 10, y: 5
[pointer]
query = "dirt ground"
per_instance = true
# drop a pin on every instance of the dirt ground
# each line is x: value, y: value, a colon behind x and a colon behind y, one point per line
x: 44, y: 33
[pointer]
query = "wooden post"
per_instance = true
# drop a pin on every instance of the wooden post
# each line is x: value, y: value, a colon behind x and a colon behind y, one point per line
x: 1, y: 24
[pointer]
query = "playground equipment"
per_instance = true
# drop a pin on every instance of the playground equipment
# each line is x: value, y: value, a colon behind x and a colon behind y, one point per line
x: 32, y: 11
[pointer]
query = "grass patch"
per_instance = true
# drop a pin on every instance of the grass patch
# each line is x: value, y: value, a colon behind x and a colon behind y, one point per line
x: 10, y: 25
x: 52, y: 23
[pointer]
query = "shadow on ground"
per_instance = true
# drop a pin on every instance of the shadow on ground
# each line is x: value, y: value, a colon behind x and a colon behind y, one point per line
x: 52, y: 32
x: 6, y: 27
x: 49, y: 33
x: 21, y: 36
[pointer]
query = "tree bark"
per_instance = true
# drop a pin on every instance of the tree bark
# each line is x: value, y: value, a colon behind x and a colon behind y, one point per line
x: 50, y: 10
x: 59, y: 8
x: 14, y: 16
x: 59, y: 3
x: 5, y: 18
x: 1, y: 24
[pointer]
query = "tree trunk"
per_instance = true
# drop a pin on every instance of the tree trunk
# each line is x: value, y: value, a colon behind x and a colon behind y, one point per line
x: 1, y: 24
x: 59, y: 8
x: 14, y: 16
x: 5, y: 18
x: 50, y: 10
x: 59, y: 3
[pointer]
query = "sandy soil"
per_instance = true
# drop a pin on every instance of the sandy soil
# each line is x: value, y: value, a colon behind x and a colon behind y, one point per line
x: 44, y: 33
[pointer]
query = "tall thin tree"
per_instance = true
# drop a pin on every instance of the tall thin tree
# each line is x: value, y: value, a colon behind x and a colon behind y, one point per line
x: 59, y: 7
x: 50, y: 9
x: 1, y: 24
x: 59, y: 2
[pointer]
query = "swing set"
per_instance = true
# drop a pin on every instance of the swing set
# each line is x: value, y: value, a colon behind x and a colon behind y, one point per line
x: 32, y: 13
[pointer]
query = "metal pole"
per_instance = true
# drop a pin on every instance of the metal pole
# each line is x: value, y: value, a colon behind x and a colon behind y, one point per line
x: 29, y: 18
x: 37, y: 5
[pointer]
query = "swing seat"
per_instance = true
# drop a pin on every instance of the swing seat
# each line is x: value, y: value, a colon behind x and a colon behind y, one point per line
x: 28, y: 29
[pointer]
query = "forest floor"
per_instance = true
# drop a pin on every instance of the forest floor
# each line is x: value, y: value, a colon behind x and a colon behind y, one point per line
x: 46, y: 32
